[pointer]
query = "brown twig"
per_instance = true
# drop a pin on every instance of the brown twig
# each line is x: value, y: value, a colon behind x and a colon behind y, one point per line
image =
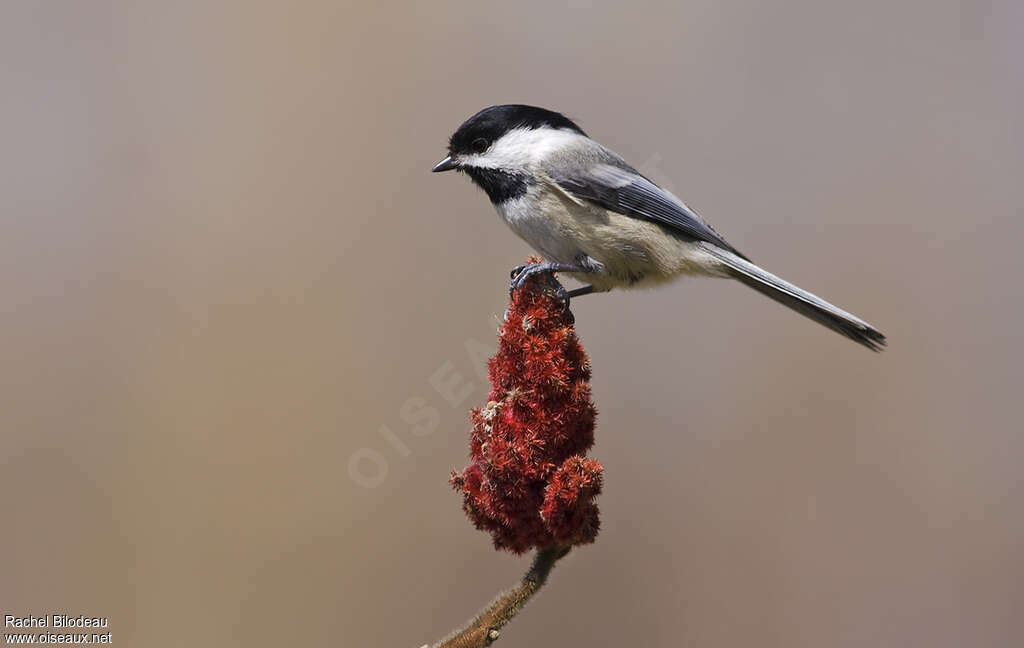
x: 486, y: 627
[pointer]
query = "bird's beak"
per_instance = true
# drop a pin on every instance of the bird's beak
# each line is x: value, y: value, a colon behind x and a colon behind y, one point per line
x: 446, y: 164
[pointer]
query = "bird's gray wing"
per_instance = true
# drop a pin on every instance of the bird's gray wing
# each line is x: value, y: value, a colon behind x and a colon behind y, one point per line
x: 622, y: 189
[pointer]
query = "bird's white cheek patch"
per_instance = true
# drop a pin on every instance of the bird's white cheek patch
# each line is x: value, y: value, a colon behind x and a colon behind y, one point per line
x: 521, y: 147
x: 478, y: 160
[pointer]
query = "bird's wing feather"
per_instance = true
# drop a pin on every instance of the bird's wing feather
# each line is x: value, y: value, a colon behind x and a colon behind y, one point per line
x: 620, y: 188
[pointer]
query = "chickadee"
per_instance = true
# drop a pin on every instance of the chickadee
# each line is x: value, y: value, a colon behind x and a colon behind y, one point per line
x: 596, y: 218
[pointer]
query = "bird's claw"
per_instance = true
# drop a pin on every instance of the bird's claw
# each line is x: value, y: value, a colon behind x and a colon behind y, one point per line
x: 562, y: 294
x: 521, y: 273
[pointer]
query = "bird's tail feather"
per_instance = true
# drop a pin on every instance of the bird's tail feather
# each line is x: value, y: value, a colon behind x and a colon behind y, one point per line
x: 800, y: 300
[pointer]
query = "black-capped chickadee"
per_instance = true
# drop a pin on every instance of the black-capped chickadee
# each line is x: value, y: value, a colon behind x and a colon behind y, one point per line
x: 593, y: 216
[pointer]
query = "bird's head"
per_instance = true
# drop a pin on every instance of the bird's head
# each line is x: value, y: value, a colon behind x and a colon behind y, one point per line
x: 497, y: 145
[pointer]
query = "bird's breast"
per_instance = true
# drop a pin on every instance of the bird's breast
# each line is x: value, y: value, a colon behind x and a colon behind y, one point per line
x: 545, y: 223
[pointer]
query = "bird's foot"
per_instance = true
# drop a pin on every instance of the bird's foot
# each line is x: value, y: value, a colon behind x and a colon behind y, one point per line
x: 520, y: 274
x: 523, y: 272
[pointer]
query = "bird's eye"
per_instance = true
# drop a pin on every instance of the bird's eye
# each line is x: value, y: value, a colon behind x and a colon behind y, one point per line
x: 480, y: 145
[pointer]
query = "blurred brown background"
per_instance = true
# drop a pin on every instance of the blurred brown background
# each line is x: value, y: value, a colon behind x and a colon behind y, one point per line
x: 225, y: 268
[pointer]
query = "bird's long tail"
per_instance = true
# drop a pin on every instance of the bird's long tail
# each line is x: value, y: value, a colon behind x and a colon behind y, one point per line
x: 800, y: 300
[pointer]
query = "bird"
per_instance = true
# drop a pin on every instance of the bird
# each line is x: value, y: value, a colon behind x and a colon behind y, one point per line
x: 598, y: 220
